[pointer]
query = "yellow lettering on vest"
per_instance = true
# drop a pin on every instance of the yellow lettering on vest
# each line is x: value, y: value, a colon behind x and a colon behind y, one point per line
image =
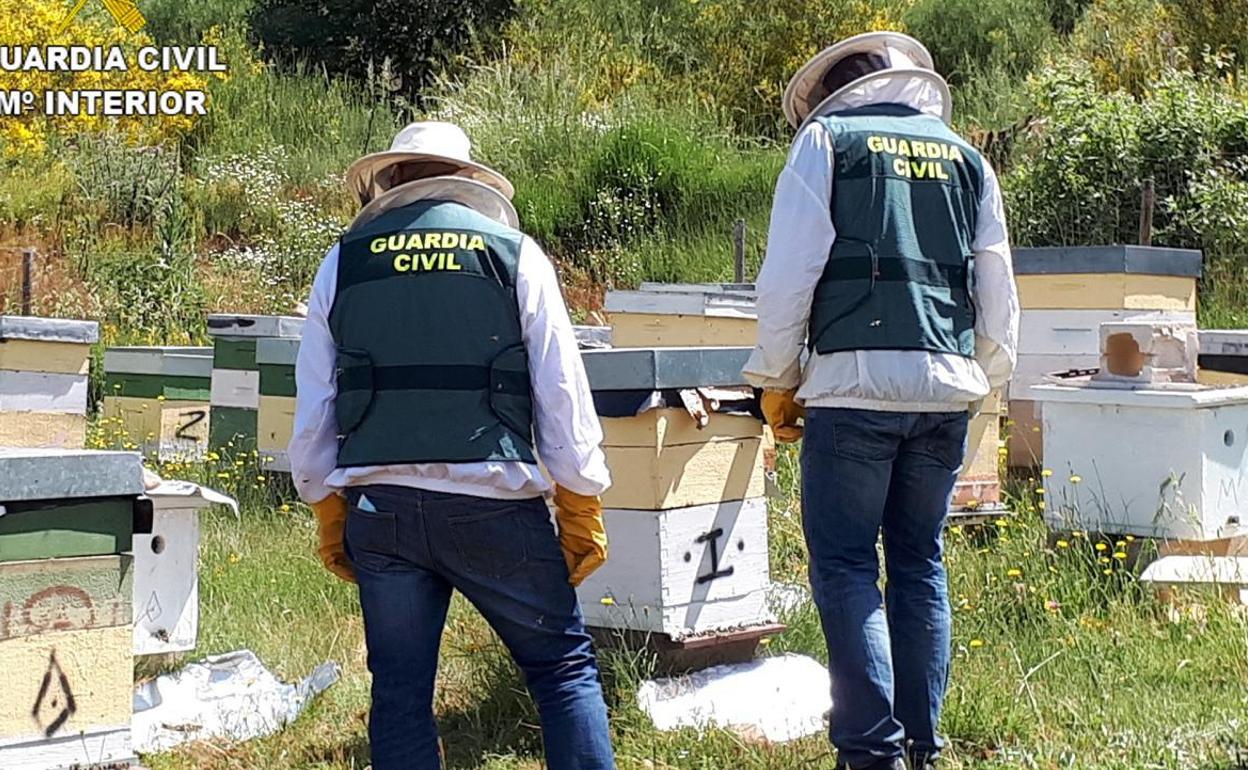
x: 918, y: 170
x: 433, y: 240
x: 903, y: 147
x: 875, y: 144
x: 413, y: 242
x: 396, y: 241
x: 377, y: 246
x: 936, y: 149
x: 955, y: 154
x: 941, y: 173
x: 920, y: 149
x: 901, y: 167
x: 890, y: 144
x: 476, y: 244
x: 427, y: 260
x: 402, y: 263
x: 451, y: 264
x: 450, y: 240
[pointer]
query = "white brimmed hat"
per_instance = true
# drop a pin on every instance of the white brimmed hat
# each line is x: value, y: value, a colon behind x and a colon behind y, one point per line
x: 435, y: 142
x: 903, y: 57
x: 480, y: 197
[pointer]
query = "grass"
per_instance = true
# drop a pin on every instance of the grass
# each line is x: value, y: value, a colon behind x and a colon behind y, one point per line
x: 1056, y: 665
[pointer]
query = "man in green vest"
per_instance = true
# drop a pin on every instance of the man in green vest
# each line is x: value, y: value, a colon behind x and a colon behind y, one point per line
x: 437, y: 365
x: 888, y: 263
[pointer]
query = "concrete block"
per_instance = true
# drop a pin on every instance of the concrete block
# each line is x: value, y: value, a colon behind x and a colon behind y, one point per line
x: 1141, y: 351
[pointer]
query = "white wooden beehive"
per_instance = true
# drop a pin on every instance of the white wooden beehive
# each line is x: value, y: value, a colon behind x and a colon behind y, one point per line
x: 684, y: 571
x: 1167, y: 461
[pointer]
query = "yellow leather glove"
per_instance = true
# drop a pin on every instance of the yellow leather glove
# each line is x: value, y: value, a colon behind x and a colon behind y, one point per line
x: 331, y: 524
x: 581, y: 533
x: 782, y: 411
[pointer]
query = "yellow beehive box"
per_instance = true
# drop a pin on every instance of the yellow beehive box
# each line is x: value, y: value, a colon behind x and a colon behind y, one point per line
x: 683, y: 315
x: 660, y: 460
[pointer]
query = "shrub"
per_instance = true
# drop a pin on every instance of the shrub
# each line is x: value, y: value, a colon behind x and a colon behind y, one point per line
x: 1129, y: 43
x: 1078, y: 180
x: 970, y: 35
x: 347, y: 36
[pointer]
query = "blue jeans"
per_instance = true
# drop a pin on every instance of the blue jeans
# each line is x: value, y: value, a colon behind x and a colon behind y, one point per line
x: 504, y: 556
x: 863, y: 472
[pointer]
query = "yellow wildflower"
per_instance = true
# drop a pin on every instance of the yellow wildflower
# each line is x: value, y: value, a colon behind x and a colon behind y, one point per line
x: 975, y: 643
x: 1063, y: 544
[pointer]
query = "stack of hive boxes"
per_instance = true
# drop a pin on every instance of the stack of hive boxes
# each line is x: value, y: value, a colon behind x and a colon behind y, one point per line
x: 66, y: 670
x: 1066, y: 294
x: 276, y: 360
x: 159, y: 398
x: 724, y: 314
x: 43, y: 381
x: 686, y: 516
x: 236, y: 374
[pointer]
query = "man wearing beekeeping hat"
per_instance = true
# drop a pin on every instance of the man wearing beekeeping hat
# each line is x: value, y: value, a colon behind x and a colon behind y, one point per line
x: 888, y: 261
x: 437, y: 365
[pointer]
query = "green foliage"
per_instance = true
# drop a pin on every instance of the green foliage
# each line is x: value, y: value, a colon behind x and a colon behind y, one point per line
x: 184, y: 21
x: 1129, y: 43
x: 1079, y: 178
x: 349, y: 36
x: 967, y: 36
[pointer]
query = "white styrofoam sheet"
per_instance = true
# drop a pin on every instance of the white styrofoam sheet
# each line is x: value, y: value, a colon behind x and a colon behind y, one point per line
x: 655, y: 579
x: 43, y: 392
x: 1150, y: 468
x: 1206, y: 570
x: 1077, y: 332
x: 1224, y: 342
x: 780, y: 699
x: 238, y: 388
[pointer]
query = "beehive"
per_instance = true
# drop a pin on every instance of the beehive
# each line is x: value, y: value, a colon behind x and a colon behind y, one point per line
x: 276, y: 361
x: 44, y: 364
x: 159, y: 398
x: 235, y: 390
x: 685, y: 515
x: 166, y: 569
x: 1066, y: 294
x: 66, y: 606
x: 1167, y: 461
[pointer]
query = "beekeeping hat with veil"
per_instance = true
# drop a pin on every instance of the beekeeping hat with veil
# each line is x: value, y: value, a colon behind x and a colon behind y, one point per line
x: 871, y: 68
x: 423, y: 158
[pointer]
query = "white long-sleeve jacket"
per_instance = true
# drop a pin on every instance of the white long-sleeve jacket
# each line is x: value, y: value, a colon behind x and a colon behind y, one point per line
x: 567, y: 431
x: 798, y: 243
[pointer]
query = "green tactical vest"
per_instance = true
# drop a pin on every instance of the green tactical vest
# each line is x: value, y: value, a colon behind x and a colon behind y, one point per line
x: 905, y: 200
x: 431, y: 362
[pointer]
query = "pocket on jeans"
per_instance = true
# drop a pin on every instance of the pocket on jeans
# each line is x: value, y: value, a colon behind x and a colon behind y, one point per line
x: 865, y: 435
x: 372, y: 537
x: 492, y: 542
x: 948, y: 441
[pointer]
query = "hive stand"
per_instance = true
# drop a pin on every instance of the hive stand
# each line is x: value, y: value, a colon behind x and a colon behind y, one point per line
x: 44, y: 364
x: 66, y: 575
